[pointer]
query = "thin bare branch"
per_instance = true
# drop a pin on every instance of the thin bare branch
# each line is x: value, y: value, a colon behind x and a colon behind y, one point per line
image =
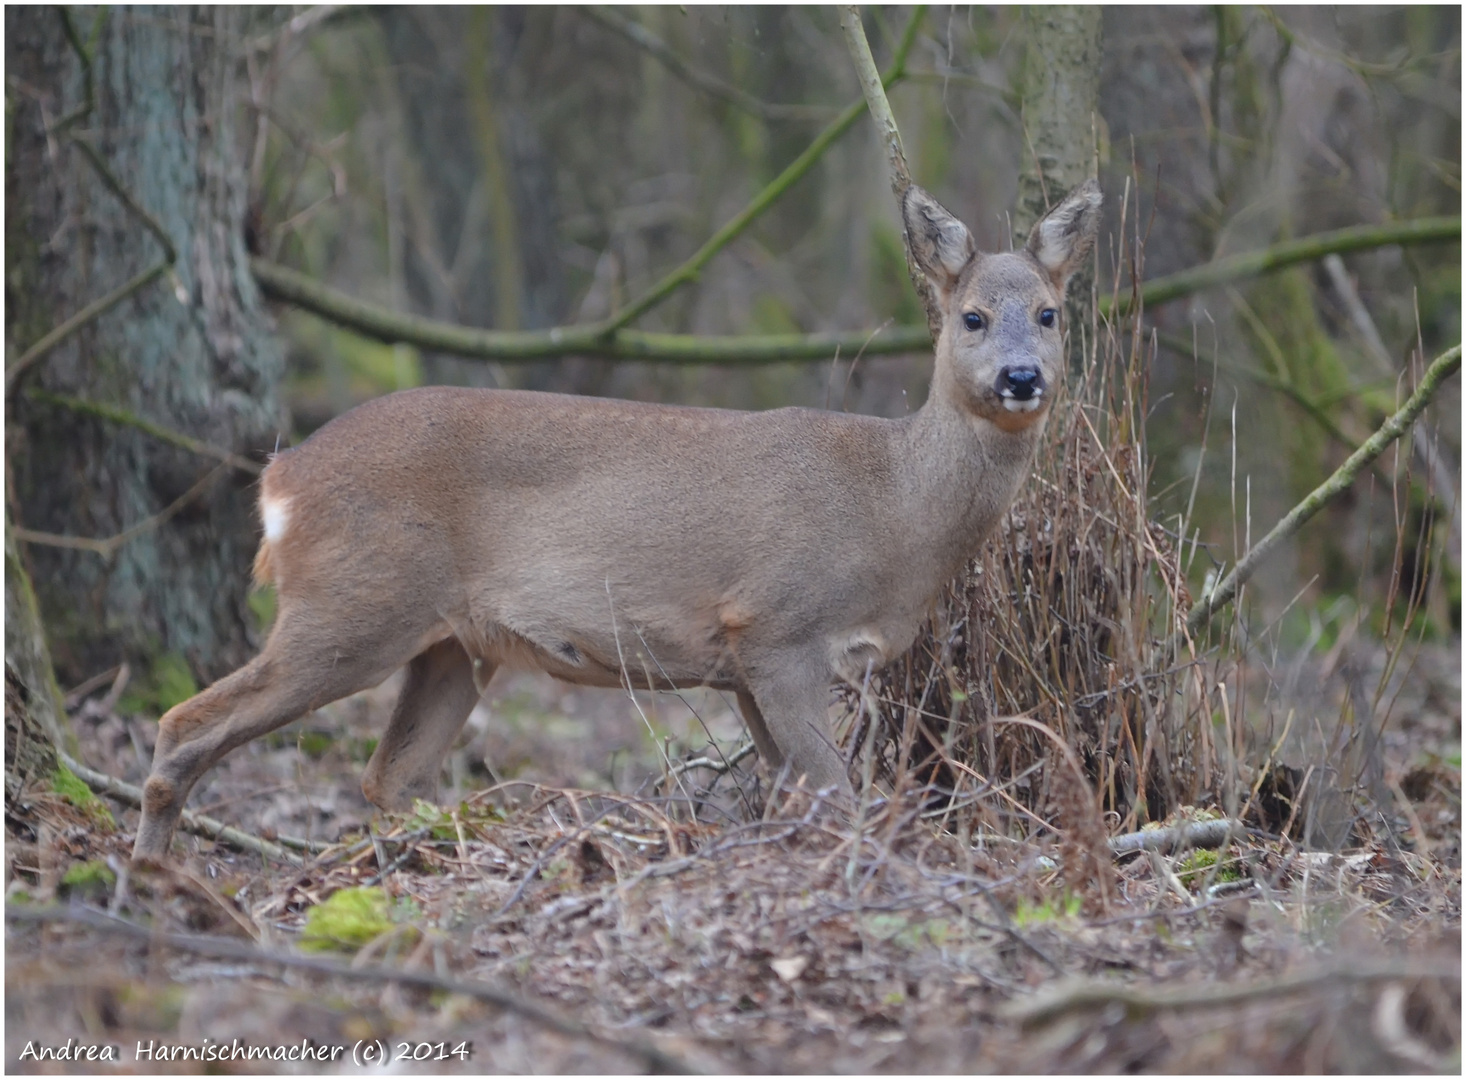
x: 115, y: 415
x: 1445, y: 365
x: 796, y: 169
x: 108, y: 546
x: 885, y: 121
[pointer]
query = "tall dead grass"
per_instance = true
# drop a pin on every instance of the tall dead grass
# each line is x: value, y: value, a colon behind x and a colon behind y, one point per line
x: 1064, y: 643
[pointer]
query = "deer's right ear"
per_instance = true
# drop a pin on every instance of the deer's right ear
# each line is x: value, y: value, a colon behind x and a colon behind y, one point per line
x: 940, y: 243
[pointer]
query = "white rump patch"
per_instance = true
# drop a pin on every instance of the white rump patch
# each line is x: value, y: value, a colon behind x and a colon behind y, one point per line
x: 276, y: 513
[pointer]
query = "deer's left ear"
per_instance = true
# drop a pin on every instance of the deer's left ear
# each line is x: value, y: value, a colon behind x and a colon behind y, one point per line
x: 1063, y: 236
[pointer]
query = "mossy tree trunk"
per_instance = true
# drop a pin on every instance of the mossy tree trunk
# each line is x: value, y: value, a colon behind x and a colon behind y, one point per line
x: 33, y: 710
x: 191, y: 351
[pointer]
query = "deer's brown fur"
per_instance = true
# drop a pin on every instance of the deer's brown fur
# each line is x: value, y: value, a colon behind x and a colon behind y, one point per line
x: 767, y: 554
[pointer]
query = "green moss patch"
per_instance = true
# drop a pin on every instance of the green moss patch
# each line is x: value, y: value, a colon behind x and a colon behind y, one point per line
x: 74, y: 790
x: 346, y: 921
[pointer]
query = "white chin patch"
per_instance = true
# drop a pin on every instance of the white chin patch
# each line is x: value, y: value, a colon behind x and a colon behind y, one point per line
x: 1012, y: 404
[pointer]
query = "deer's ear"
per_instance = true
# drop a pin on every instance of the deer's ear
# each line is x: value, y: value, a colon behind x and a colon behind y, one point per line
x: 940, y: 243
x: 1063, y: 236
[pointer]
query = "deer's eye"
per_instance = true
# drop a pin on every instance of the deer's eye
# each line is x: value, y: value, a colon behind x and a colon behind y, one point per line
x: 972, y: 320
x: 1047, y: 316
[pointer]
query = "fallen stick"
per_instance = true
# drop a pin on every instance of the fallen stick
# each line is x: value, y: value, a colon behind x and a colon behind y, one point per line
x: 198, y: 824
x: 1190, y: 834
x: 1083, y: 995
x: 231, y: 949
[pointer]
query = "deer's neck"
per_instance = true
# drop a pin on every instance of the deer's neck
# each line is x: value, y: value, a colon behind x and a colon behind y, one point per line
x: 963, y: 473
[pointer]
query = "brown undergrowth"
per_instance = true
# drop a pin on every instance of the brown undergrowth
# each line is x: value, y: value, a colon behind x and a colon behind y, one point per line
x: 788, y: 944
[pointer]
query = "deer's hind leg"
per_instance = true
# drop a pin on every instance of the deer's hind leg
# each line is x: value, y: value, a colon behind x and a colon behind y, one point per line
x: 302, y: 667
x: 440, y: 690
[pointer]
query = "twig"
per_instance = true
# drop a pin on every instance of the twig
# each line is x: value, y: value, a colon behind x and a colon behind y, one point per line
x: 1256, y: 263
x: 690, y: 269
x: 721, y: 766
x: 1374, y: 347
x: 157, y: 431
x: 197, y: 824
x: 640, y: 36
x: 96, y: 308
x: 230, y: 949
x: 108, y: 546
x: 131, y: 205
x: 309, y: 19
x: 1445, y: 365
x: 885, y: 121
x: 1190, y: 834
x: 1087, y: 994
x: 382, y: 324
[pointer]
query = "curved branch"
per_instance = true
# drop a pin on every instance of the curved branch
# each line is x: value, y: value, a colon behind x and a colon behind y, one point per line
x: 1445, y: 365
x: 381, y: 324
x: 1256, y: 263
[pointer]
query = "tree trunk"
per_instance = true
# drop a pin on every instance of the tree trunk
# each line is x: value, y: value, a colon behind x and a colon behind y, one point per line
x: 1060, y: 90
x: 33, y: 711
x: 191, y: 351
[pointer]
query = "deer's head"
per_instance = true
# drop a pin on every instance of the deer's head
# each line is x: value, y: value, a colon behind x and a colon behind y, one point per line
x: 1001, y: 347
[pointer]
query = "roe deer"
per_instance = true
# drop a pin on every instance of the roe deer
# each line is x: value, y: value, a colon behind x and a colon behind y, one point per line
x: 766, y: 554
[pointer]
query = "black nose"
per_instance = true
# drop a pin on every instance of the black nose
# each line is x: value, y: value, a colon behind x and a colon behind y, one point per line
x: 1021, y: 383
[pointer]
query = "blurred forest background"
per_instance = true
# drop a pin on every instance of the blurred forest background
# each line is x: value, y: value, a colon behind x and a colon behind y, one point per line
x: 523, y: 168
x: 225, y: 226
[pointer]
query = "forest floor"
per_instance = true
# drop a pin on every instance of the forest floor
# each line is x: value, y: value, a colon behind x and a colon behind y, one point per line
x: 560, y: 921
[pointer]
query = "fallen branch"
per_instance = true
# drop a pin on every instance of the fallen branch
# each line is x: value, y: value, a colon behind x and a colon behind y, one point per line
x: 513, y: 1001
x: 1190, y: 834
x: 1445, y: 365
x: 197, y: 824
x: 1086, y: 995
